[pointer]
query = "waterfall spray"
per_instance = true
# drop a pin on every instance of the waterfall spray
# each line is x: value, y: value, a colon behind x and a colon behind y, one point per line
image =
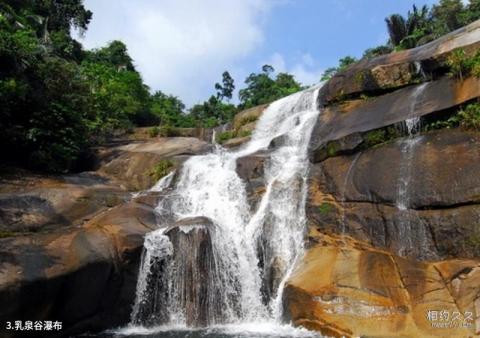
x: 237, y: 259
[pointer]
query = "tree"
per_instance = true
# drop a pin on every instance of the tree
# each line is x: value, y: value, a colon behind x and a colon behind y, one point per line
x: 343, y: 64
x: 114, y: 54
x: 212, y: 112
x: 376, y: 51
x: 225, y: 90
x: 120, y: 96
x: 169, y: 111
x: 397, y: 28
x: 447, y: 15
x: 261, y: 88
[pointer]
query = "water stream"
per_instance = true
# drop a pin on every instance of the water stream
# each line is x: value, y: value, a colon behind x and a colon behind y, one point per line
x: 407, y: 148
x: 216, y: 264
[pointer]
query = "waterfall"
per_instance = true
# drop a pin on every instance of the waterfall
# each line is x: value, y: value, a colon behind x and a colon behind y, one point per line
x: 407, y: 148
x: 212, y: 259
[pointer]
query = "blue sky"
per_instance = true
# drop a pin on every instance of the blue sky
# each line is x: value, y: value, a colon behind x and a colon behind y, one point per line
x: 182, y: 46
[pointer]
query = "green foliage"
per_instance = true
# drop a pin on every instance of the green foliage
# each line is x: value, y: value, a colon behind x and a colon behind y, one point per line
x: 5, y: 234
x: 169, y: 110
x: 212, y: 112
x: 246, y: 120
x: 168, y: 131
x: 244, y: 133
x: 467, y: 118
x: 376, y: 51
x: 424, y: 25
x: 225, y: 90
x: 375, y: 137
x: 331, y: 149
x: 262, y: 88
x: 120, y: 97
x: 154, y: 131
x: 379, y: 136
x: 161, y: 169
x: 325, y: 208
x: 470, y: 117
x: 343, y: 64
x: 225, y: 136
x: 461, y: 65
x: 114, y: 54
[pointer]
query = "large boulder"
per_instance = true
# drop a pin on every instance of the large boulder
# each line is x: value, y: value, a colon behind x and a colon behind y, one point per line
x: 131, y: 165
x: 360, y: 195
x: 84, y: 277
x: 345, y: 288
x: 340, y: 121
x: 36, y: 203
x: 400, y: 68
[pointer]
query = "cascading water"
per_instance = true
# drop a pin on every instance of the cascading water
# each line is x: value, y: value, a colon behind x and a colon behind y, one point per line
x: 413, y: 126
x: 221, y: 262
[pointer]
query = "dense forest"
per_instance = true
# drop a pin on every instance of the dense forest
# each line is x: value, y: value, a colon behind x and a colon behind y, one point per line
x: 58, y: 99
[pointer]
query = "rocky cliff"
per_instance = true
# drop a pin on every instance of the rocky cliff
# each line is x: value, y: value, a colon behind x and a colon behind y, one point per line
x: 393, y: 208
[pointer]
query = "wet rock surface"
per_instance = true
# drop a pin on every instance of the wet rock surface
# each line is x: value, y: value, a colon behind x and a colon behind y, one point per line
x: 359, y: 195
x: 341, y: 120
x: 345, y: 288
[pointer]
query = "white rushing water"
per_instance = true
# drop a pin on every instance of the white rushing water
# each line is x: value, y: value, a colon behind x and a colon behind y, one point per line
x: 407, y: 147
x: 252, y: 251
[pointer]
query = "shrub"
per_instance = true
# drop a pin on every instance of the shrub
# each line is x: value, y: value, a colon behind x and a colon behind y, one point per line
x: 5, y: 234
x: 161, y: 169
x: 153, y: 132
x: 375, y: 137
x: 247, y: 119
x: 226, y: 135
x: 325, y: 208
x: 244, y: 133
x: 168, y: 131
x: 469, y: 117
x: 462, y: 65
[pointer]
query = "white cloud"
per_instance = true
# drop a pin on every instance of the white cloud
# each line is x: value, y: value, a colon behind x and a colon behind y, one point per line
x: 304, y: 68
x: 180, y: 46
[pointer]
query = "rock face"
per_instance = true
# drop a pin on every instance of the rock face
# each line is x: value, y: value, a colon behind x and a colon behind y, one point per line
x: 401, y: 68
x: 342, y: 120
x: 363, y: 192
x: 84, y: 277
x: 130, y: 165
x: 70, y: 246
x: 394, y: 232
x: 33, y: 204
x: 345, y: 288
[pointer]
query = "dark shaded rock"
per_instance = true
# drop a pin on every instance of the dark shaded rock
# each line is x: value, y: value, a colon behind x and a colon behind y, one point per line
x: 51, y: 203
x: 85, y: 277
x: 344, y: 146
x: 336, y: 122
x: 197, y: 269
x: 357, y: 195
x: 251, y: 170
x: 442, y: 167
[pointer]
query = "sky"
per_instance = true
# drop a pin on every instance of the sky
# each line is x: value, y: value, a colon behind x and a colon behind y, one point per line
x: 182, y: 47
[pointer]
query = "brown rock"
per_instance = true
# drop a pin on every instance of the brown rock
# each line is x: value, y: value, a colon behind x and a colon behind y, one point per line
x: 85, y: 277
x: 345, y: 288
x: 130, y: 165
x: 336, y: 122
x: 400, y: 68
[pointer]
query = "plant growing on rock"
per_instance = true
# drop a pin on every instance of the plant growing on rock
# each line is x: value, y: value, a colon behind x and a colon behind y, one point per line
x: 161, y: 169
x: 325, y: 208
